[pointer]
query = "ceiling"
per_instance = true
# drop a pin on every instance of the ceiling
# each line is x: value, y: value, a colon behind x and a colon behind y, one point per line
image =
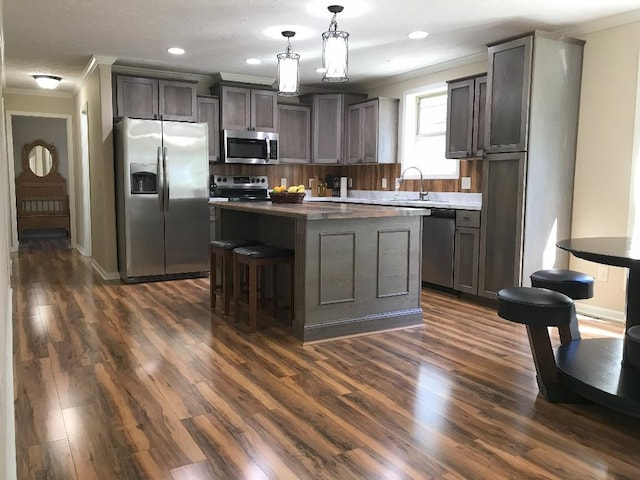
x: 59, y: 37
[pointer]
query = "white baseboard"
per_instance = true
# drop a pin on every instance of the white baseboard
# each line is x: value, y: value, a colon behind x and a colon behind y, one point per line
x: 104, y: 274
x: 599, y: 312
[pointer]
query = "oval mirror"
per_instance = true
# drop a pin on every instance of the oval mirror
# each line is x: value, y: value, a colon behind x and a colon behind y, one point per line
x: 40, y: 161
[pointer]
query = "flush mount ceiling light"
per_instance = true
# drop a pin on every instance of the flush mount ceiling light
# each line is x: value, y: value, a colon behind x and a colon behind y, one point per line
x: 253, y: 61
x: 335, y: 53
x: 288, y: 69
x: 47, y: 81
x: 417, y: 35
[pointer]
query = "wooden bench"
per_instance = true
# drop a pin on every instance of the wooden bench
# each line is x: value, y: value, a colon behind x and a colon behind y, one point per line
x: 41, y: 201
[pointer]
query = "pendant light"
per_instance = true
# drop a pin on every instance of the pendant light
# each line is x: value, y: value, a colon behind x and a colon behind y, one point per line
x: 288, y: 69
x: 335, y: 54
x: 47, y: 81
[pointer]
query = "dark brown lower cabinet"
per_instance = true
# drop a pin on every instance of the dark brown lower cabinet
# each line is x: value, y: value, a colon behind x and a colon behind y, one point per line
x: 501, y: 234
x: 467, y: 251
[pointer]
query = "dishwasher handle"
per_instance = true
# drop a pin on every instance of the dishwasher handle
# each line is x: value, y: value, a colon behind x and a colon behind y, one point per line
x: 443, y: 213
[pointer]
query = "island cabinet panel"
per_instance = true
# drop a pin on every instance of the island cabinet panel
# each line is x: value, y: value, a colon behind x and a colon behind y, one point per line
x: 355, y: 266
x: 394, y: 256
x: 337, y: 268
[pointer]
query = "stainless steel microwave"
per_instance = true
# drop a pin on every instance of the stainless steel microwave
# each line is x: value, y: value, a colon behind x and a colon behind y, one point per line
x: 243, y: 146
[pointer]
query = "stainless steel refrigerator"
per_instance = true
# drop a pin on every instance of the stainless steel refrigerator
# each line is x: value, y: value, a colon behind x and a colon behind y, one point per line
x: 162, y: 189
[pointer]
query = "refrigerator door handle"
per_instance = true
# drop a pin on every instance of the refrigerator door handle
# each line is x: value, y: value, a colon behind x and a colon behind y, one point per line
x: 160, y: 170
x: 166, y: 179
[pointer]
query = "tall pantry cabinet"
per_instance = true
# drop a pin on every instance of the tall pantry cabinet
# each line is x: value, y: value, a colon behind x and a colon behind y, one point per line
x: 533, y: 97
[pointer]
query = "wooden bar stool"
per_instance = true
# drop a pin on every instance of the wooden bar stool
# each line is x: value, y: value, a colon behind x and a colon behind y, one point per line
x: 222, y: 250
x: 538, y: 309
x: 575, y: 285
x: 254, y: 259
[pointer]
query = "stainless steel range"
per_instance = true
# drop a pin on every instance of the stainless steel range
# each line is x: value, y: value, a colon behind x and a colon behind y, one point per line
x: 242, y: 188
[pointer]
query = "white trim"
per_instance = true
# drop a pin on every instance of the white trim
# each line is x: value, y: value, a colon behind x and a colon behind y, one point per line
x: 91, y: 66
x: 599, y: 312
x: 38, y: 93
x: 422, y: 72
x: 10, y: 452
x: 235, y: 77
x: 167, y: 74
x: 601, y: 24
x: 103, y: 274
x: 12, y: 171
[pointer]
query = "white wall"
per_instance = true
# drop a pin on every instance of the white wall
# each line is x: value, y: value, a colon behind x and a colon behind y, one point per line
x: 7, y: 429
x: 604, y: 160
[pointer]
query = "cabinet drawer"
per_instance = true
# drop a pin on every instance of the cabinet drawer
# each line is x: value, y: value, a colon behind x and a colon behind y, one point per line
x: 468, y: 218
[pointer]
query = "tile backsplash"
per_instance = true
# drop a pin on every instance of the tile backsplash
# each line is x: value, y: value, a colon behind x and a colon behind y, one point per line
x: 364, y: 177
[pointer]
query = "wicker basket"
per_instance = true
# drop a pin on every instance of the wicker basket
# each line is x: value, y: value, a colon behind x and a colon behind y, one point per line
x: 287, y: 197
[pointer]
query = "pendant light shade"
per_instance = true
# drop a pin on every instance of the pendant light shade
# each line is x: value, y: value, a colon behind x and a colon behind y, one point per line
x: 335, y: 52
x: 47, y: 81
x: 288, y: 69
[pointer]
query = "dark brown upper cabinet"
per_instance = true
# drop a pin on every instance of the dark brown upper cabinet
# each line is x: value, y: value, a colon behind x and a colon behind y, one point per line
x: 466, y: 114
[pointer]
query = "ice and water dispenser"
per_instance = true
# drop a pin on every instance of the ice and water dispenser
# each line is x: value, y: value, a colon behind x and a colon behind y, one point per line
x: 144, y: 178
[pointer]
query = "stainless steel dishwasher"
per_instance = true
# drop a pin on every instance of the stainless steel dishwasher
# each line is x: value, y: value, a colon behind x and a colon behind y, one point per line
x: 438, y: 236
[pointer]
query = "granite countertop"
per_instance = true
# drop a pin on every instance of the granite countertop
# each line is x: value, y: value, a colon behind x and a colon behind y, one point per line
x: 323, y: 210
x: 458, y: 202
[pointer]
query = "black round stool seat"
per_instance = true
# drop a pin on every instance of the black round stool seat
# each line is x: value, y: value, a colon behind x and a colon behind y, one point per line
x: 263, y: 251
x: 576, y: 285
x: 231, y: 244
x: 534, y: 306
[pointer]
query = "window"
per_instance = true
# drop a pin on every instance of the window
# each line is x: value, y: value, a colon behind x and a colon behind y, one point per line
x: 425, y: 123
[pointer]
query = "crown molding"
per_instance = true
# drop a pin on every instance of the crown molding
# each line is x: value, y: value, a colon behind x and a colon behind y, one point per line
x: 421, y: 72
x: 95, y: 61
x: 601, y: 24
x: 234, y: 77
x: 158, y: 73
x: 38, y: 93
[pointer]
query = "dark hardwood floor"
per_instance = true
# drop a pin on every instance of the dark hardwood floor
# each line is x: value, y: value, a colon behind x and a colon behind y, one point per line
x: 117, y: 381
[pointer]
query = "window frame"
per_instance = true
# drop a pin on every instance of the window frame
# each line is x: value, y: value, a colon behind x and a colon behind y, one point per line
x: 409, y: 133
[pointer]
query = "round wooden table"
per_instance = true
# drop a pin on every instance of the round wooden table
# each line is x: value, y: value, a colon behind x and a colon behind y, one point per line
x: 605, y: 370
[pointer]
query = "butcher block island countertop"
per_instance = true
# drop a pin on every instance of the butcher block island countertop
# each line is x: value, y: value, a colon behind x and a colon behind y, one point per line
x: 357, y: 267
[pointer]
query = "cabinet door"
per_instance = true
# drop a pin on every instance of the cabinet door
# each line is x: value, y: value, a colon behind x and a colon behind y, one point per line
x: 209, y: 112
x: 235, y: 108
x: 178, y: 101
x: 467, y: 253
x: 136, y: 97
x: 370, y: 132
x: 501, y: 222
x: 328, y: 119
x: 355, y: 150
x: 264, y: 111
x: 479, y: 115
x: 509, y: 85
x: 295, y: 133
x: 459, y: 135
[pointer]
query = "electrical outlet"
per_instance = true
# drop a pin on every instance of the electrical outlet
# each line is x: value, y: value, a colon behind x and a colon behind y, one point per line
x: 466, y: 183
x: 603, y: 274
x: 310, y: 183
x: 350, y: 182
x: 384, y: 183
x: 283, y: 182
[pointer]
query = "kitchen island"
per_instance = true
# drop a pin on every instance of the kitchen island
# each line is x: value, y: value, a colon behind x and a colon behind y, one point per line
x: 357, y: 267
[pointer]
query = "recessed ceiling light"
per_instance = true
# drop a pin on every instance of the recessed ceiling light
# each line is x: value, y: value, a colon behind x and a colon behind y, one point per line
x: 417, y: 35
x: 175, y: 51
x: 253, y: 61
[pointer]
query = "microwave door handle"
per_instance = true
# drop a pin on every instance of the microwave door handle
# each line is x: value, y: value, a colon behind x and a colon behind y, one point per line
x: 166, y: 178
x: 268, y: 149
x: 160, y: 173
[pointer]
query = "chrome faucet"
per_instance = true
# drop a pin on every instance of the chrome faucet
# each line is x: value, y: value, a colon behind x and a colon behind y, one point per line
x: 423, y: 194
